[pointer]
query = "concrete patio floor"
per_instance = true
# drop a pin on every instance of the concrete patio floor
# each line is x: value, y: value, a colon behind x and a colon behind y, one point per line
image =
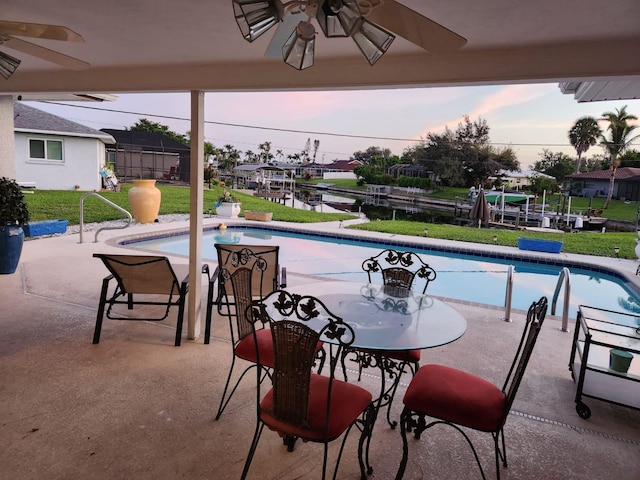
x: 136, y: 407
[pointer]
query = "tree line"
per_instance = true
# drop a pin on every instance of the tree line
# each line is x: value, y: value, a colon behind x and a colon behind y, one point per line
x: 463, y: 157
x: 615, y: 139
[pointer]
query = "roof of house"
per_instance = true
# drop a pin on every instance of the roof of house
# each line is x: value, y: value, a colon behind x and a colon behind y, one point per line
x: 31, y: 120
x: 147, y: 140
x: 622, y: 173
x: 523, y: 174
x: 346, y: 165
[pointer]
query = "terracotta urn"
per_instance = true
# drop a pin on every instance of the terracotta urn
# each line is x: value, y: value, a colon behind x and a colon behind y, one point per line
x: 144, y: 198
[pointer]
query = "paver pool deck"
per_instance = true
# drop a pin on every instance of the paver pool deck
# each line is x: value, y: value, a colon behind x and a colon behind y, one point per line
x: 136, y: 407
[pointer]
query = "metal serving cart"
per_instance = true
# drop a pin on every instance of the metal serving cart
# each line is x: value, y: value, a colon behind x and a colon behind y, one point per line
x: 598, y: 331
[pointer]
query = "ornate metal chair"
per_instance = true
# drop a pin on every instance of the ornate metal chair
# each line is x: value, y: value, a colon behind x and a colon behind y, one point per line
x: 302, y: 404
x: 398, y: 272
x: 143, y: 280
x: 243, y: 274
x: 460, y: 399
x: 264, y: 280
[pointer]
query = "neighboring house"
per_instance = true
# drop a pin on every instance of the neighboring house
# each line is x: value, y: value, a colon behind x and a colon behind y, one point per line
x: 53, y: 153
x: 148, y: 155
x: 596, y: 184
x: 310, y: 170
x: 343, y: 165
x: 515, y: 180
x: 408, y: 170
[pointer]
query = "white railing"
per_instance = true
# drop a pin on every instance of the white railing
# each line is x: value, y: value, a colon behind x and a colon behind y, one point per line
x: 108, y: 202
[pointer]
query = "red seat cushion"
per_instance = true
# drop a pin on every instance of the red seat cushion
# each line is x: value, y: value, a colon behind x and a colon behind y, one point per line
x: 458, y: 397
x: 246, y: 350
x: 348, y: 401
x: 411, y: 356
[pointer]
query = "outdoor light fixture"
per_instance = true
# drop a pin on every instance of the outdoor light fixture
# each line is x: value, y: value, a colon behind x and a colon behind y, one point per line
x: 617, y: 251
x: 495, y: 239
x: 337, y: 18
x: 299, y: 48
x: 255, y: 17
x: 8, y: 65
x: 372, y: 40
x: 426, y: 232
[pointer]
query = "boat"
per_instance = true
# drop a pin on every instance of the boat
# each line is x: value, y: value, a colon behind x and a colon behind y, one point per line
x: 509, y: 197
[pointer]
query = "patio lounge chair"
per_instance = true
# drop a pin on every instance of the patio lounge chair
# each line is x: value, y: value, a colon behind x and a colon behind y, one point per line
x: 142, y: 280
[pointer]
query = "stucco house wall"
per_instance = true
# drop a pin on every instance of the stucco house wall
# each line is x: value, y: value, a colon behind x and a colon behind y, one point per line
x: 82, y: 150
x: 81, y: 163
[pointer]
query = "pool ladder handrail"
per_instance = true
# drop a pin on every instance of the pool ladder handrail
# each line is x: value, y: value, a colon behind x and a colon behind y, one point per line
x: 563, y: 278
x: 108, y: 202
x: 508, y: 295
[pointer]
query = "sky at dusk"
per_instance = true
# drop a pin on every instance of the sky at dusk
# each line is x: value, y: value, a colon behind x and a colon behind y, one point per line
x: 527, y: 118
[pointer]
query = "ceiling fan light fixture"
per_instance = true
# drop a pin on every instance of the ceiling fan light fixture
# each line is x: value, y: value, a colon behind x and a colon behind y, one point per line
x: 8, y: 65
x: 337, y: 18
x: 372, y: 40
x: 255, y: 17
x: 299, y: 48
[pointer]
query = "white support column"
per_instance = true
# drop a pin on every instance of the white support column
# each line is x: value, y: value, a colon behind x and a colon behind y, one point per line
x: 7, y: 139
x: 196, y: 180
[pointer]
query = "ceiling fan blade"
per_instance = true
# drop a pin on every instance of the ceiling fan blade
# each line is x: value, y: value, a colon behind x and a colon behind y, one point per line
x: 39, y: 30
x: 415, y: 27
x: 283, y: 32
x: 46, y: 54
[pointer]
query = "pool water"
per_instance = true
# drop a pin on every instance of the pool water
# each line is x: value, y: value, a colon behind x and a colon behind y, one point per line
x: 461, y: 276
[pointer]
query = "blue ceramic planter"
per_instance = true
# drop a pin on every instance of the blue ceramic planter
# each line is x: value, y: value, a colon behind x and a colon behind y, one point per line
x: 11, y: 240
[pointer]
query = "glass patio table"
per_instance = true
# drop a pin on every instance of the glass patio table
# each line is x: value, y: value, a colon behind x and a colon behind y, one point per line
x: 384, y: 318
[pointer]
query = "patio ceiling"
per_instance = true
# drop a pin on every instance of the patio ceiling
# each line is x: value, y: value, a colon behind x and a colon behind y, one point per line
x: 164, y: 45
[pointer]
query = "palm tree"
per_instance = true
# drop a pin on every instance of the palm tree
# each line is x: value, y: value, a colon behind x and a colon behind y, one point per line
x: 584, y: 134
x: 619, y: 141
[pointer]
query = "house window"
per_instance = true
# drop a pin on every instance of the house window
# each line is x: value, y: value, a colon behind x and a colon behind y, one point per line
x: 45, y: 149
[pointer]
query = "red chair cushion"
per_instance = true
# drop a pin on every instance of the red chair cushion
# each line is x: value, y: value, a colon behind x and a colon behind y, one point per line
x: 246, y: 350
x: 458, y: 397
x: 411, y: 356
x: 348, y: 401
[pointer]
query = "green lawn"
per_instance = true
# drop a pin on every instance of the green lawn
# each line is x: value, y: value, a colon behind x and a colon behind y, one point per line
x: 586, y: 243
x: 65, y: 204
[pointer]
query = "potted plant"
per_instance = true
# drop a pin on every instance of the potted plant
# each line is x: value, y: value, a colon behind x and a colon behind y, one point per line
x: 228, y: 205
x: 14, y: 213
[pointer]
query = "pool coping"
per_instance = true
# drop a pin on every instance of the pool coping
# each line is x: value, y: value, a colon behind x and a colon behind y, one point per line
x: 330, y: 230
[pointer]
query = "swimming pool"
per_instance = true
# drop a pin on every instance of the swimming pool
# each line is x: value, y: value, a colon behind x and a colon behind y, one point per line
x: 462, y: 273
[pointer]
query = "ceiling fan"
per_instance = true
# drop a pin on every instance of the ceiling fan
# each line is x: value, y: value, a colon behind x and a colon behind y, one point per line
x: 9, y: 31
x: 370, y: 23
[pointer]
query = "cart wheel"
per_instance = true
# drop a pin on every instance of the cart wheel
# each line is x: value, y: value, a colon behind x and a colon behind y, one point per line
x: 583, y: 410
